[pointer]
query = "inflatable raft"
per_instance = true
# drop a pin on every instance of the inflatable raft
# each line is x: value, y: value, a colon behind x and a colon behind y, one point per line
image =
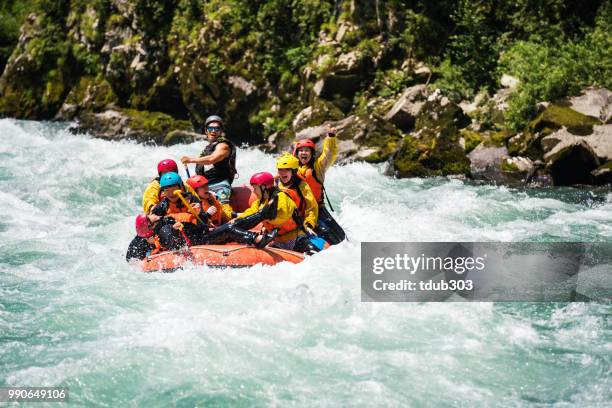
x: 223, y: 256
x: 230, y: 255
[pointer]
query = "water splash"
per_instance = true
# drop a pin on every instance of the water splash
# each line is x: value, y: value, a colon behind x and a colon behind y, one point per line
x: 73, y: 313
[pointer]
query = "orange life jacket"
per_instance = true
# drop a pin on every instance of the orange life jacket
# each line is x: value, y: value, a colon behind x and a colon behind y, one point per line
x: 183, y: 217
x: 176, y: 207
x: 178, y: 217
x: 212, y: 202
x: 296, y: 196
x: 315, y: 185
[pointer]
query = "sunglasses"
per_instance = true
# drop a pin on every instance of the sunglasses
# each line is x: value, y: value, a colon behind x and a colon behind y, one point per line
x: 213, y: 129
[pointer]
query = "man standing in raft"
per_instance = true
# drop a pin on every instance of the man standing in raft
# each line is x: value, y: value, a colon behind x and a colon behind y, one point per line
x: 221, y: 154
x: 312, y: 170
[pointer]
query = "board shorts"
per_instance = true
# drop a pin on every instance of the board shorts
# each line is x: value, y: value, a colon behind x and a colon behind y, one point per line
x: 223, y: 191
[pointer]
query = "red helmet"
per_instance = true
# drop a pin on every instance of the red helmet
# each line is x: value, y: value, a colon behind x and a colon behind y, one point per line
x: 263, y: 179
x: 303, y: 143
x: 197, y: 181
x: 143, y: 229
x: 166, y: 165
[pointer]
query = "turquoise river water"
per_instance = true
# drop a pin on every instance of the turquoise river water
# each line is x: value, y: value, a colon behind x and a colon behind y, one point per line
x: 74, y: 314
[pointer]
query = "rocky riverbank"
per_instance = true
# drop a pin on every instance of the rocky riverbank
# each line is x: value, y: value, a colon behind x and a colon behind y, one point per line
x: 152, y: 71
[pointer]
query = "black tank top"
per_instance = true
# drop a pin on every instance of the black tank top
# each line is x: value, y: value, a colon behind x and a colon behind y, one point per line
x: 222, y: 170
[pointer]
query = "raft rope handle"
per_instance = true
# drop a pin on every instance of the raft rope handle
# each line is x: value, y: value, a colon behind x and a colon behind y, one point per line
x: 221, y: 251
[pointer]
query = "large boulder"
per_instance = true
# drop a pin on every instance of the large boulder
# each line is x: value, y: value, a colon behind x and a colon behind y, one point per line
x: 39, y: 73
x: 575, y: 159
x: 89, y: 95
x: 142, y: 126
x: 595, y: 102
x: 569, y: 159
x: 434, y: 148
x: 404, y: 112
x: 362, y: 137
x: 601, y: 141
x: 318, y: 112
x: 318, y: 131
x: 340, y: 76
x: 485, y: 160
x: 551, y: 119
x: 492, y: 164
x: 556, y: 117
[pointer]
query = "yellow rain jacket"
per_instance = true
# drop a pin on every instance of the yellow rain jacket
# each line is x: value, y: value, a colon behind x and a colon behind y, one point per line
x: 285, y: 208
x: 309, y: 209
x: 315, y: 175
x: 150, y: 197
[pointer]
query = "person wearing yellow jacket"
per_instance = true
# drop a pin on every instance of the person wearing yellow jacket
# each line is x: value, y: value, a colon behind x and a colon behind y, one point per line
x: 312, y: 170
x: 287, y: 166
x: 152, y: 193
x: 276, y: 209
x: 185, y: 222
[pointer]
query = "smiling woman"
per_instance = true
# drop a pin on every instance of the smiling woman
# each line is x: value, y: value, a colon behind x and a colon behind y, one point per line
x: 74, y: 315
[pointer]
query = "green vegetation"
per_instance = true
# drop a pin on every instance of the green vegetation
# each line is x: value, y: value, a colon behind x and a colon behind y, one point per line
x: 552, y: 70
x: 472, y: 139
x: 186, y: 50
x: 12, y: 16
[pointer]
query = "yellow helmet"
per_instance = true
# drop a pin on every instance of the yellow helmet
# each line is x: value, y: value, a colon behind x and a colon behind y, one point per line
x: 287, y: 161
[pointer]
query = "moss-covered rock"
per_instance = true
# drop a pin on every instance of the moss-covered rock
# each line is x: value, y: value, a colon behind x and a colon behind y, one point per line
x: 500, y: 138
x: 555, y: 117
x: 180, y: 136
x: 407, y: 108
x: 142, y: 126
x: 39, y: 74
x: 509, y: 166
x: 471, y: 139
x: 165, y: 95
x: 91, y: 94
x: 380, y: 135
x: 440, y: 155
x: 436, y: 146
x: 528, y: 144
x: 316, y: 113
x: 406, y: 162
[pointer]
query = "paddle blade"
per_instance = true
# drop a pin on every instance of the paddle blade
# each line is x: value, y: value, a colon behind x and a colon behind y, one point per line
x: 318, y: 242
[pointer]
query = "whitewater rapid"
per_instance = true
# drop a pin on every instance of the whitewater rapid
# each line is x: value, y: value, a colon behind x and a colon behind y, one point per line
x: 73, y: 313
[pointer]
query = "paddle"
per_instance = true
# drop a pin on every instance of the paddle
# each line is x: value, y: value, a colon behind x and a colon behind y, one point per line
x: 179, y: 194
x: 187, y: 171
